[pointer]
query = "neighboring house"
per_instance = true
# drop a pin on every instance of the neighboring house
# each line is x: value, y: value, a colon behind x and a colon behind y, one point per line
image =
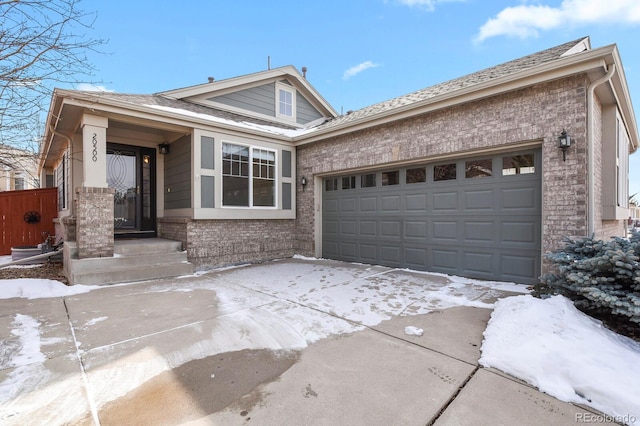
x: 18, y: 169
x: 465, y: 177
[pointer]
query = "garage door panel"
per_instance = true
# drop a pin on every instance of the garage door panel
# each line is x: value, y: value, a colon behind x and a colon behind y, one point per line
x: 478, y: 200
x: 445, y: 230
x: 330, y: 206
x: 477, y: 231
x: 368, y: 228
x: 415, y: 229
x: 478, y: 262
x: 348, y: 250
x: 369, y: 252
x: 445, y: 259
x: 390, y: 254
x: 518, y: 267
x: 520, y: 232
x: 415, y: 257
x: 445, y: 201
x: 390, y: 203
x: 416, y: 203
x: 519, y: 198
x: 330, y: 227
x: 348, y: 227
x: 348, y: 205
x: 390, y: 228
x: 330, y: 249
x: 369, y: 204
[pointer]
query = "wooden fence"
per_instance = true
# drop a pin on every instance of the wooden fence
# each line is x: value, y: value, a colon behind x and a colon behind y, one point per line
x: 25, y: 215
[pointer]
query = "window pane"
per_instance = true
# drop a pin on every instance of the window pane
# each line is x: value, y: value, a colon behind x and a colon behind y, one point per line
x: 263, y: 192
x: 444, y: 172
x: 368, y: 181
x: 390, y: 178
x: 348, y: 182
x: 286, y: 103
x: 478, y: 168
x: 518, y: 165
x: 235, y: 191
x: 416, y: 175
x: 331, y: 184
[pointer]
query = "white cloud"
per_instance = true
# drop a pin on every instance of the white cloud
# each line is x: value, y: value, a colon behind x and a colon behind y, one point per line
x: 429, y: 5
x: 358, y: 69
x: 527, y: 20
x: 88, y: 87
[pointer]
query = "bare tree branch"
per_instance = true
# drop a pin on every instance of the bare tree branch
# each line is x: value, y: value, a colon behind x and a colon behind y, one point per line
x: 43, y: 44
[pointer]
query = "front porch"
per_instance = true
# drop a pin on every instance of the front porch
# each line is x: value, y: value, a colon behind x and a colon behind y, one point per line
x: 132, y: 260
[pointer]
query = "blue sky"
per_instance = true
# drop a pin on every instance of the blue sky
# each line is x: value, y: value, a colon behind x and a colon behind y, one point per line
x: 358, y: 52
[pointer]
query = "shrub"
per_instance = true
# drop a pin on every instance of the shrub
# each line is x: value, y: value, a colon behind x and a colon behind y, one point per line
x: 602, y: 278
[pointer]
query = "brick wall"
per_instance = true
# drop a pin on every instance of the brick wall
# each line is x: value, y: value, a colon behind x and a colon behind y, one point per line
x: 225, y: 242
x: 94, y: 222
x: 538, y: 113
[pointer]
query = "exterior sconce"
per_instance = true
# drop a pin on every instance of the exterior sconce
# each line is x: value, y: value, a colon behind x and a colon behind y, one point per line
x: 163, y: 148
x: 564, y: 142
x: 303, y: 182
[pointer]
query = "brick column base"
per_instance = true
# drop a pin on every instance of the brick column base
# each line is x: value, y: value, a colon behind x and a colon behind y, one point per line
x: 94, y: 222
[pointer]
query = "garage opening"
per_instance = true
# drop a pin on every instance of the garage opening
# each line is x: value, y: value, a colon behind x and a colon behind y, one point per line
x: 477, y: 217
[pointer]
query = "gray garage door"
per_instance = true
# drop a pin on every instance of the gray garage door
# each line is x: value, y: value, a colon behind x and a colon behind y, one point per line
x: 474, y: 217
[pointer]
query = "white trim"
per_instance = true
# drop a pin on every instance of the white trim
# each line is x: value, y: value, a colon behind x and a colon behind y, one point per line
x: 280, y: 87
x: 250, y: 177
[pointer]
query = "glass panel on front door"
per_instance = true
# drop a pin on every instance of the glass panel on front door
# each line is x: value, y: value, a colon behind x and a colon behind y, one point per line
x: 131, y: 174
x: 121, y: 176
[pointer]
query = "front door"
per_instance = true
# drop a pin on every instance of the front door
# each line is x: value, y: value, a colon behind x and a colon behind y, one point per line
x: 131, y: 172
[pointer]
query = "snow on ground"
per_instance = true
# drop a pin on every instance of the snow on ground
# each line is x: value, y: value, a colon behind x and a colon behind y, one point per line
x: 565, y: 353
x: 289, y: 305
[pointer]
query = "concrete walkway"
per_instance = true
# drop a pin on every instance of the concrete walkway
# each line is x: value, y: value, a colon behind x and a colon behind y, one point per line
x: 291, y: 342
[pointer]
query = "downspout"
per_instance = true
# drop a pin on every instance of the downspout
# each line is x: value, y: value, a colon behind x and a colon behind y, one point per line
x: 591, y: 221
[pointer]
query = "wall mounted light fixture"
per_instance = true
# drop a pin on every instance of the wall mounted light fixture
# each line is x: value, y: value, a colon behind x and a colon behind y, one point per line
x: 163, y: 148
x: 564, y: 142
x: 303, y: 182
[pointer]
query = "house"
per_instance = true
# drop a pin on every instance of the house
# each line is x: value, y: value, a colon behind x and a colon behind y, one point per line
x: 466, y: 177
x: 18, y: 169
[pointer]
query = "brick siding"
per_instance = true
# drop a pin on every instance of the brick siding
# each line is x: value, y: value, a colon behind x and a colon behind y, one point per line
x: 94, y: 222
x: 537, y: 113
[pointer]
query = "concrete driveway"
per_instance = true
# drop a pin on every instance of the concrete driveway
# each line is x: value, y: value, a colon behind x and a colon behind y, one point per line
x: 290, y: 342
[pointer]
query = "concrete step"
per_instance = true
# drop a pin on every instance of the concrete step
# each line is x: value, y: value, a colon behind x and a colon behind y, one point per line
x: 146, y: 246
x: 130, y: 273
x: 123, y: 261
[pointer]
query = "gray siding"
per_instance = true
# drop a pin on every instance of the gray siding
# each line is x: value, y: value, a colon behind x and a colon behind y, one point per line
x: 177, y: 175
x: 207, y: 192
x: 260, y: 99
x: 305, y: 112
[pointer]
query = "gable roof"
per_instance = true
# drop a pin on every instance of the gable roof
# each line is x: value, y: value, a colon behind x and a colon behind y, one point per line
x: 216, y: 88
x: 470, y: 80
x: 566, y: 59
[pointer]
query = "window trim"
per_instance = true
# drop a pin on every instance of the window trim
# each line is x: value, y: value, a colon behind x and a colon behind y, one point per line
x: 281, y: 87
x: 250, y: 177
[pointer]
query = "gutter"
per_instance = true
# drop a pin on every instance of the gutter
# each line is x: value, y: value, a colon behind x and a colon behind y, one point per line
x: 590, y: 147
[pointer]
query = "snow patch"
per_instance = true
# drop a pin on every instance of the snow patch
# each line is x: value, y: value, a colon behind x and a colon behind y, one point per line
x: 565, y: 353
x: 413, y: 331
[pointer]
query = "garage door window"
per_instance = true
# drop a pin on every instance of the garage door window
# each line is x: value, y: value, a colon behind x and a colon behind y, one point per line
x: 416, y: 175
x: 391, y: 178
x: 518, y: 165
x: 348, y: 182
x: 444, y: 172
x: 368, y: 180
x: 331, y: 184
x: 478, y: 168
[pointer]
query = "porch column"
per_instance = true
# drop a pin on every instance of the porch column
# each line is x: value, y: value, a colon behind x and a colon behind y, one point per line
x: 94, y: 151
x: 94, y: 200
